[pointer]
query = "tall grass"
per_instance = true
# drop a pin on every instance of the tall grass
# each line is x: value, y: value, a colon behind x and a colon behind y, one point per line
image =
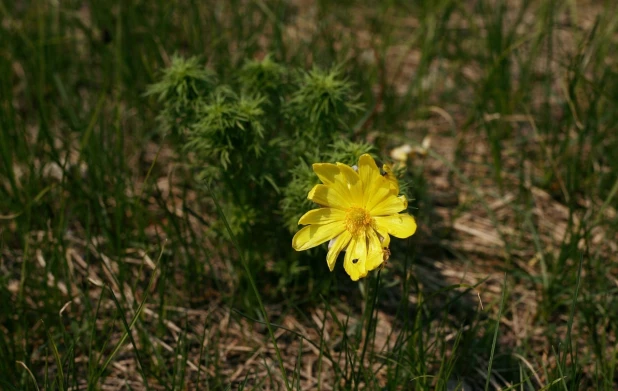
x: 518, y: 98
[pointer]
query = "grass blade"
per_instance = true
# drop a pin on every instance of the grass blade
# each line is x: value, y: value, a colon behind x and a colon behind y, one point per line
x: 129, y: 327
x: 495, y: 340
x: 253, y: 286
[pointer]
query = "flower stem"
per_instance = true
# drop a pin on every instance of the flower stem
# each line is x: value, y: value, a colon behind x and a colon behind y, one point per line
x: 369, y: 328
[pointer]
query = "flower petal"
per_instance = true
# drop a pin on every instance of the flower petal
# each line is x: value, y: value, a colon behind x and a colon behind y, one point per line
x: 352, y: 182
x: 316, y: 234
x: 375, y: 254
x: 338, y: 244
x: 391, y: 178
x: 330, y: 174
x: 379, y: 192
x: 326, y: 172
x: 399, y: 225
x: 328, y: 196
x: 322, y: 216
x: 383, y: 236
x: 368, y: 173
x: 389, y: 206
x: 355, y: 255
x: 367, y: 167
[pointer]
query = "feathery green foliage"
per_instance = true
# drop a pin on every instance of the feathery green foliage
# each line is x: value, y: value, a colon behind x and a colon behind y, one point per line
x: 256, y: 137
x: 181, y: 89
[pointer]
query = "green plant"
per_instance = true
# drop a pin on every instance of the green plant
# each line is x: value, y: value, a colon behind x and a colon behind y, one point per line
x: 254, y: 138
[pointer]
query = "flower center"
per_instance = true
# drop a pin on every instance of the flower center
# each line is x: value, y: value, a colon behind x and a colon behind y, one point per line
x: 357, y: 219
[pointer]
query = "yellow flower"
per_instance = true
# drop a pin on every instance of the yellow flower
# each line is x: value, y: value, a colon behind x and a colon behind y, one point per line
x: 391, y: 178
x: 360, y: 209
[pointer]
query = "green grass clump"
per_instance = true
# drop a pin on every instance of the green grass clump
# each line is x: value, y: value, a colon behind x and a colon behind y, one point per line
x: 155, y: 158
